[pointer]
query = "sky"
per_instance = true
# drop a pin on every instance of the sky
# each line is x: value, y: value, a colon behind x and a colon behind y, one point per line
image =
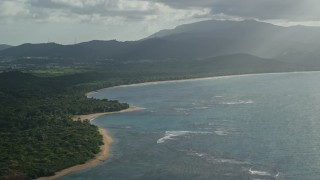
x: 74, y: 21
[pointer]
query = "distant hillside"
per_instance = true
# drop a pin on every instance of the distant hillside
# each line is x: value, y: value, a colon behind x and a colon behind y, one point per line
x: 238, y: 64
x: 4, y: 46
x: 47, y: 50
x: 215, y: 66
x: 258, y: 38
x: 200, y: 40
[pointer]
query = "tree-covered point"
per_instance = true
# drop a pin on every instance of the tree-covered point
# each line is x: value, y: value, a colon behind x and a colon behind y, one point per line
x: 38, y: 135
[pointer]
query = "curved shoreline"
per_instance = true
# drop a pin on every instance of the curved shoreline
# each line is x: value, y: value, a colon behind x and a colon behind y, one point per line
x: 89, y: 94
x: 105, y: 148
x: 104, y: 153
x: 91, y: 117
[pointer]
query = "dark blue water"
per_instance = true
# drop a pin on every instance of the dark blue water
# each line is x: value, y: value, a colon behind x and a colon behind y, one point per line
x: 241, y: 127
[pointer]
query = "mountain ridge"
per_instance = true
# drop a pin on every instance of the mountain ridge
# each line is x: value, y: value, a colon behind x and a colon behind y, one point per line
x: 4, y: 46
x: 202, y: 39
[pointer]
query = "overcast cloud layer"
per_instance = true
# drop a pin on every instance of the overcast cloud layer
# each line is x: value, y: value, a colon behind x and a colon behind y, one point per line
x: 69, y: 21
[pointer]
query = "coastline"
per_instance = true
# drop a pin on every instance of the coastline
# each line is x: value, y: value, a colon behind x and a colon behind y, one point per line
x: 105, y: 148
x: 91, y: 117
x: 89, y: 94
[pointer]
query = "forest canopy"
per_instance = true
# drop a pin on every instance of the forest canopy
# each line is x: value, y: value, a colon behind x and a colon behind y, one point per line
x: 38, y: 135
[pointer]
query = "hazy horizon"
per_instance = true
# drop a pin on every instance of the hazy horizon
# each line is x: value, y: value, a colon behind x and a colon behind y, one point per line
x: 70, y: 21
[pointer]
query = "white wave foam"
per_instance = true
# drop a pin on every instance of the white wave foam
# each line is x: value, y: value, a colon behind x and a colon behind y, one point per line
x: 170, y: 134
x: 193, y: 153
x: 220, y: 133
x: 180, y: 109
x: 230, y: 161
x: 204, y: 107
x: 259, y: 173
x: 200, y: 154
x: 238, y: 102
x: 183, y: 111
x: 217, y: 160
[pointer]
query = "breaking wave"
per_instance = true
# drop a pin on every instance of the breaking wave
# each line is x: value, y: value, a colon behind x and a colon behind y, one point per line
x: 169, y: 135
x: 238, y: 102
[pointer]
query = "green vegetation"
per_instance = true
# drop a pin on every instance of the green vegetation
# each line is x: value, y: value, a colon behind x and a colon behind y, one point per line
x: 38, y: 136
x: 54, y: 72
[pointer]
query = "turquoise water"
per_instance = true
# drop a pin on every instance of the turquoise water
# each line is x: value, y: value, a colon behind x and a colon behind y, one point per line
x: 240, y: 127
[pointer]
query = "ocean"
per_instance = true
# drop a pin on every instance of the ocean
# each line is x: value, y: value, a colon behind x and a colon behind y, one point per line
x: 263, y: 126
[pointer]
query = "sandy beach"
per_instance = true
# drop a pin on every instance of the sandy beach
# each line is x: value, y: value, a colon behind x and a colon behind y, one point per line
x: 105, y: 148
x: 93, y: 116
x: 90, y: 94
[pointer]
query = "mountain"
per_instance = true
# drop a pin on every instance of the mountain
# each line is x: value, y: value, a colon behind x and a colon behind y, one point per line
x: 86, y: 50
x: 4, y: 46
x: 200, y: 40
x: 239, y: 64
x: 216, y: 28
x: 214, y: 66
x: 106, y: 49
x: 47, y: 50
x: 262, y: 39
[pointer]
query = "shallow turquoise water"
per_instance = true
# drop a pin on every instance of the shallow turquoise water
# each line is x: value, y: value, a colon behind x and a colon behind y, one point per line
x: 240, y: 127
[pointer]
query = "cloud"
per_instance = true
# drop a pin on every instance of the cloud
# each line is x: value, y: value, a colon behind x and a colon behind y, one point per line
x: 169, y: 10
x: 91, y: 10
x: 101, y: 19
x: 13, y: 9
x: 103, y: 8
x: 293, y: 10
